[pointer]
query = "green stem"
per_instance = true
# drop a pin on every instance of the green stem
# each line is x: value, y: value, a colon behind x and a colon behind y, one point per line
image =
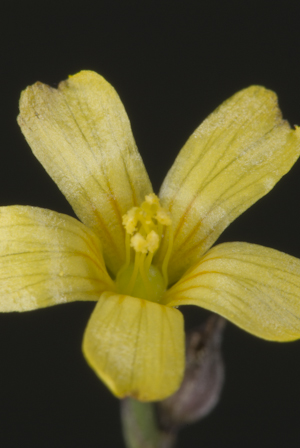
x: 140, y: 426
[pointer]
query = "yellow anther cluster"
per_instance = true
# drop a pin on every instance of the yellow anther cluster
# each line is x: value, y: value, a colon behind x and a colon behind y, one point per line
x: 145, y: 224
x: 146, y: 228
x: 163, y: 217
x: 130, y: 220
x: 145, y: 245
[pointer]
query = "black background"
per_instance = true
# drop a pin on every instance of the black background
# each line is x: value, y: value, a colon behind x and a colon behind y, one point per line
x: 172, y: 63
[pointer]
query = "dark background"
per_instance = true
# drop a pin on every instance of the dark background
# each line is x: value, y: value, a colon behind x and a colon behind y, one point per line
x: 172, y: 63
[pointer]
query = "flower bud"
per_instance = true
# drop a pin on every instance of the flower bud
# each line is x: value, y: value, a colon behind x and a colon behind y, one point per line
x: 203, y: 379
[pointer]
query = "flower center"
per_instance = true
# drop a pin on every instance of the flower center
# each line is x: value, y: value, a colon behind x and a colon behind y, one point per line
x: 147, y: 227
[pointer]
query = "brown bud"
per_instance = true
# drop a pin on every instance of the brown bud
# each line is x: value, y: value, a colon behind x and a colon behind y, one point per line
x: 203, y: 379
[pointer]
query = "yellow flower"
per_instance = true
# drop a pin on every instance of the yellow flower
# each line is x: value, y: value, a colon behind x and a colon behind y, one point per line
x: 140, y: 256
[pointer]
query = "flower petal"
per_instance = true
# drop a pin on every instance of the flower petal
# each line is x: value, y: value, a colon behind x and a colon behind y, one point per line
x: 233, y: 159
x: 47, y: 258
x: 82, y: 136
x: 255, y: 287
x: 136, y: 346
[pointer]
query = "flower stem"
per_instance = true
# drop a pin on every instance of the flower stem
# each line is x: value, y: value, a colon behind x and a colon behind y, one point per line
x: 140, y: 426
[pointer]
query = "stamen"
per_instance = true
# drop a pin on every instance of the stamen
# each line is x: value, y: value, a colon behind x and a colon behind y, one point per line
x: 144, y: 275
x: 152, y: 199
x: 148, y: 261
x: 153, y: 242
x: 127, y: 249
x: 130, y: 220
x: 146, y: 227
x: 135, y: 272
x: 163, y: 217
x: 139, y: 243
x: 165, y: 263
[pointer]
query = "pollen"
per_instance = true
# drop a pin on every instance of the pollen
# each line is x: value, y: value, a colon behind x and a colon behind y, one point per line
x: 130, y: 220
x: 152, y: 241
x: 163, y: 217
x: 139, y: 243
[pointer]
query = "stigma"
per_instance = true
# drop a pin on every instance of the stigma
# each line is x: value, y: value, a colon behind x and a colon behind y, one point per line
x: 147, y: 228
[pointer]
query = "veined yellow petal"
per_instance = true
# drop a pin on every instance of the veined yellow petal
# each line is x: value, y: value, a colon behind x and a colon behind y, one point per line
x: 255, y: 287
x: 82, y: 136
x: 47, y: 258
x: 136, y: 346
x: 233, y: 159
